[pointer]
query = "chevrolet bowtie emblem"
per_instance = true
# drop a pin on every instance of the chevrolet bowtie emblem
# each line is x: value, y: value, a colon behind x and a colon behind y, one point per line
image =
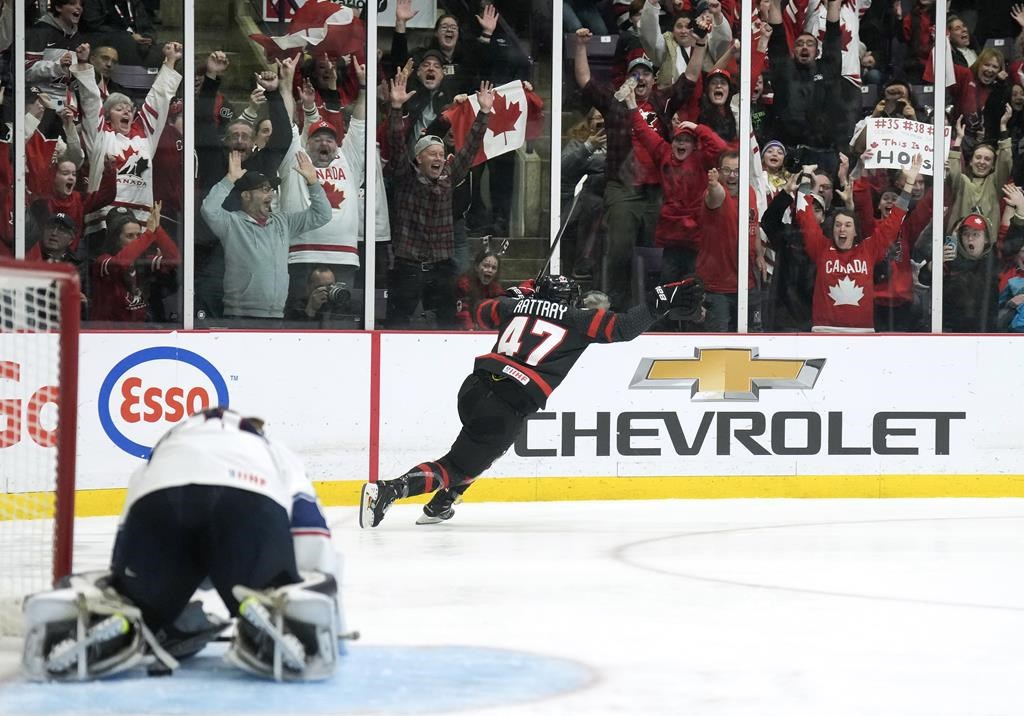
x: 727, y: 373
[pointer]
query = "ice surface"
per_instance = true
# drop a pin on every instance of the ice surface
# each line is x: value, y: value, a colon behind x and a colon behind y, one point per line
x: 717, y: 607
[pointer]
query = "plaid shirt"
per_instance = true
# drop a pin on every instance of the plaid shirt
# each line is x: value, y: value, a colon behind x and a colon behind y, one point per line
x: 421, y: 224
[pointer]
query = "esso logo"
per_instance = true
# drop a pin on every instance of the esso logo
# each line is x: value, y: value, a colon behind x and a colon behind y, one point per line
x: 152, y: 390
x: 35, y: 414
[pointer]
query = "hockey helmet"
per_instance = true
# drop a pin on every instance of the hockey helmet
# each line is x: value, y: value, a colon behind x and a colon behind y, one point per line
x: 560, y: 289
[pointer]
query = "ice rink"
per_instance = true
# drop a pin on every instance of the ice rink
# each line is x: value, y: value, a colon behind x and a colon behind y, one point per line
x: 717, y: 607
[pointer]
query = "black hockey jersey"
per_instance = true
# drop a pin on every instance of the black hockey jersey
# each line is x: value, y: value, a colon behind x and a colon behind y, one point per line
x: 539, y: 341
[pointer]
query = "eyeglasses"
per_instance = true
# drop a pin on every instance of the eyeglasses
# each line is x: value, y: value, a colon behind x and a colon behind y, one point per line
x: 447, y: 26
x: 729, y: 172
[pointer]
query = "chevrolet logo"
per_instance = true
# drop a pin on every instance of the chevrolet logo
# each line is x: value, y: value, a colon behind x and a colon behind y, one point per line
x: 727, y: 373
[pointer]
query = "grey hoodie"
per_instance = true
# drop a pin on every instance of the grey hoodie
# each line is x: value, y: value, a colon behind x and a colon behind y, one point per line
x: 255, y: 254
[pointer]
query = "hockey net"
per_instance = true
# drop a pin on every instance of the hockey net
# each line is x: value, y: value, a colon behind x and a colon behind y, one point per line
x: 39, y: 310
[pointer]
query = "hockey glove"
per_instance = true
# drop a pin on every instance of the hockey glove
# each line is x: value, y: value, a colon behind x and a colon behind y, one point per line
x: 681, y: 300
x: 524, y: 290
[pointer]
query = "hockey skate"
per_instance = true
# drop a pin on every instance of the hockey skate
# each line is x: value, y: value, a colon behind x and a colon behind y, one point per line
x: 375, y: 500
x: 439, y: 509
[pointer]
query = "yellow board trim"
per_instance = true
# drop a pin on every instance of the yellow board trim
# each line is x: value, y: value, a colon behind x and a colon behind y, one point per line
x: 95, y: 503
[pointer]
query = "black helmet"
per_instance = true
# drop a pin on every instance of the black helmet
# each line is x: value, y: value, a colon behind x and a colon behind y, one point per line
x: 560, y: 289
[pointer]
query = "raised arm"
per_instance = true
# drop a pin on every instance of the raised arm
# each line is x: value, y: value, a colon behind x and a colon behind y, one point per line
x: 464, y: 158
x: 714, y: 197
x: 319, y: 211
x: 581, y: 64
x: 650, y: 32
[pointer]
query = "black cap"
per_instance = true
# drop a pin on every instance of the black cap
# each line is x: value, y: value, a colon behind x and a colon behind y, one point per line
x: 62, y: 219
x: 436, y: 54
x: 252, y: 180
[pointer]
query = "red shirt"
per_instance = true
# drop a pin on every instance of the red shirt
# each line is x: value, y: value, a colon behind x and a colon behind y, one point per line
x: 119, y: 292
x: 844, y: 287
x: 683, y: 182
x: 718, y: 256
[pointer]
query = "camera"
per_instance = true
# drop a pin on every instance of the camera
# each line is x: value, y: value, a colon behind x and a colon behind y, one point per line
x: 338, y: 295
x: 794, y: 162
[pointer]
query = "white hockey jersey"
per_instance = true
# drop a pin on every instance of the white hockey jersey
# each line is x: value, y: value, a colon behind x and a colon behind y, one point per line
x: 203, y: 450
x: 133, y: 153
x: 337, y: 241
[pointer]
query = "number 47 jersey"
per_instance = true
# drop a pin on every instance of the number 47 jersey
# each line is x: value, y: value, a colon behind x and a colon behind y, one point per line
x: 539, y: 341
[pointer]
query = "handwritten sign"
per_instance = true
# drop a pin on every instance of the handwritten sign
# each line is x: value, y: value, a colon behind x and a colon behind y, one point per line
x: 892, y: 143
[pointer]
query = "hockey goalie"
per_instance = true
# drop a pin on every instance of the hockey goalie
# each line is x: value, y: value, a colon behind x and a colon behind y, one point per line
x: 218, y: 501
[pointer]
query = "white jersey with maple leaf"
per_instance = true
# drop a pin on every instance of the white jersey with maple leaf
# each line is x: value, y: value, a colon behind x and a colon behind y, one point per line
x: 133, y: 153
x: 849, y: 27
x: 844, y: 286
x: 336, y: 242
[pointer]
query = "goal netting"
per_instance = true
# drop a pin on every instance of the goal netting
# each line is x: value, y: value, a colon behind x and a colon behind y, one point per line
x: 39, y: 311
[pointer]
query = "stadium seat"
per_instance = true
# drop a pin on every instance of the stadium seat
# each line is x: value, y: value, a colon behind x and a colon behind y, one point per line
x: 134, y: 77
x: 1006, y: 45
x: 599, y: 46
x: 868, y: 96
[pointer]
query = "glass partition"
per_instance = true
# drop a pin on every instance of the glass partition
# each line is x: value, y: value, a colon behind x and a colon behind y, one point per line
x: 466, y: 190
x: 7, y: 128
x: 280, y: 164
x: 103, y: 152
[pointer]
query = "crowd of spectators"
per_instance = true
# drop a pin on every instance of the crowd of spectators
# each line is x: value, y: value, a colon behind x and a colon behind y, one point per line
x: 833, y: 244
x: 836, y: 245
x: 104, y: 167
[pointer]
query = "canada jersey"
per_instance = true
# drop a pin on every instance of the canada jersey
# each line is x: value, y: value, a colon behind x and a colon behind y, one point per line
x: 539, y: 341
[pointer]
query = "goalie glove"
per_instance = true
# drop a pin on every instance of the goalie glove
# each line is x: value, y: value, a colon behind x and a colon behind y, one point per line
x: 681, y: 300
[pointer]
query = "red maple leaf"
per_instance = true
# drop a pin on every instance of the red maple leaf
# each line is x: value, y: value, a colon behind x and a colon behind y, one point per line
x: 846, y: 37
x: 504, y: 117
x: 334, y: 196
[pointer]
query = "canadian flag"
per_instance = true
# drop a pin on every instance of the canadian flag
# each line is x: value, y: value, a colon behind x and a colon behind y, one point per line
x: 331, y: 28
x: 929, y: 67
x: 849, y: 28
x: 509, y: 126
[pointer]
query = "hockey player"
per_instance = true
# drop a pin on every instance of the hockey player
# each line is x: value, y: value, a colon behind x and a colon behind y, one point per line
x: 541, y: 335
x: 217, y: 500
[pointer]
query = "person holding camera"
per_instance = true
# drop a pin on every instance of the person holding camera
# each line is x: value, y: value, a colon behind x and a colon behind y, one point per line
x: 324, y: 297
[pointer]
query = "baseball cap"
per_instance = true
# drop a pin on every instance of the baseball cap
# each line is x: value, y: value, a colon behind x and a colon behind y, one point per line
x: 718, y: 72
x: 974, y: 221
x: 424, y: 142
x: 432, y: 53
x: 323, y: 126
x: 642, y: 60
x: 62, y: 219
x: 677, y: 131
x: 252, y: 180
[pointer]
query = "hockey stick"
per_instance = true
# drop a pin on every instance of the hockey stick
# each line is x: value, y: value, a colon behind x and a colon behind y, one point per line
x: 558, y: 237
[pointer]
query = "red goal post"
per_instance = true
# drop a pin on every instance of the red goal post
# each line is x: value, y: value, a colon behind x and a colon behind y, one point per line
x: 39, y: 326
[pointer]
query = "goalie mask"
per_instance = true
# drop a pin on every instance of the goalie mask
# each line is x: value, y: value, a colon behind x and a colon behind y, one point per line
x: 560, y: 289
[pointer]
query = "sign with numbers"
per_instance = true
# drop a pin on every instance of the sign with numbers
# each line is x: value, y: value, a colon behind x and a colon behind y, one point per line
x: 892, y: 143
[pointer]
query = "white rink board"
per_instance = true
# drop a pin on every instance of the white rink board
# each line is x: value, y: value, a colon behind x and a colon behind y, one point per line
x: 312, y: 389
x: 862, y: 376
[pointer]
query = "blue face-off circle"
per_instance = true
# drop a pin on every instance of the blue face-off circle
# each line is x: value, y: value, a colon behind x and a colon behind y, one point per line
x: 422, y: 683
x: 144, y: 356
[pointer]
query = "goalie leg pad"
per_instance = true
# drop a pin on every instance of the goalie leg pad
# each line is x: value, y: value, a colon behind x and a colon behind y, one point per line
x: 81, y: 632
x: 287, y: 634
